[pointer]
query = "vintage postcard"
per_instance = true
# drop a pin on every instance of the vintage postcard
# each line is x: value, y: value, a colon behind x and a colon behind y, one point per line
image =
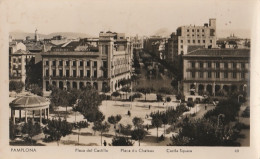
x: 129, y: 79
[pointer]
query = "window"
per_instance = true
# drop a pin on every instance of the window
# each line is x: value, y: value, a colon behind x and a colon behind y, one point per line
x: 225, y: 74
x: 67, y: 73
x: 67, y: 63
x: 198, y: 30
x: 209, y: 74
x: 192, y: 34
x: 81, y: 73
x: 201, y: 64
x: 81, y: 63
x: 188, y: 34
x: 225, y: 65
x: 217, y: 65
x: 19, y: 60
x: 217, y: 74
x: 201, y: 74
x: 53, y: 63
x: 193, y: 64
x: 95, y: 73
x: 202, y: 34
x: 47, y: 63
x: 192, y: 30
x: 182, y: 46
x: 181, y: 41
x: 198, y: 41
x: 202, y: 30
x: 193, y: 41
x: 61, y: 63
x: 204, y: 41
x: 188, y: 30
x: 74, y: 73
x: 209, y: 64
x: 234, y: 75
x: 242, y: 75
x: 47, y: 73
x: 74, y: 63
x: 210, y: 41
x: 53, y: 72
x: 234, y: 65
x: 88, y: 63
x: 88, y: 73
x: 60, y: 73
x: 95, y: 63
x: 193, y: 74
x: 14, y: 60
x: 243, y: 65
x: 188, y: 41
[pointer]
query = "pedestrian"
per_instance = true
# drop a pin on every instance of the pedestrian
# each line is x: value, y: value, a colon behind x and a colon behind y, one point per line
x: 129, y: 113
x: 105, y: 143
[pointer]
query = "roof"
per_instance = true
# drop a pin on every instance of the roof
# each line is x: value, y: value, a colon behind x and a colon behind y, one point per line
x: 29, y: 101
x: 70, y: 53
x: 219, y: 53
x: 21, y: 52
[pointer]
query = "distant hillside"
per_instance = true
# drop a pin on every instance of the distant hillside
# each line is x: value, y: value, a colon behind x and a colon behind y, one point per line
x: 70, y: 35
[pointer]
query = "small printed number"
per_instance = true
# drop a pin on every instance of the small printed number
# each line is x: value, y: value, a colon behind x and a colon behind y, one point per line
x: 236, y: 150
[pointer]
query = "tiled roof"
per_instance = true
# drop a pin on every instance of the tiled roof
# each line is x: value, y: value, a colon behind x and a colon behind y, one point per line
x: 70, y: 53
x: 219, y: 53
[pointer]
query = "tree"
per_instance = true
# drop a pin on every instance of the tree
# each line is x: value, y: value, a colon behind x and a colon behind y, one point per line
x: 57, y: 128
x: 115, y: 94
x: 89, y: 104
x: 165, y: 120
x: 138, y: 134
x: 138, y: 122
x: 13, y: 130
x: 190, y: 104
x: 125, y: 130
x: 157, y: 122
x: 180, y: 96
x: 121, y: 141
x: 168, y: 99
x: 126, y: 89
x: 159, y: 97
x: 31, y: 129
x: 101, y: 127
x: 16, y: 86
x: 36, y: 90
x: 114, y: 120
x: 145, y: 90
x: 204, y: 132
x: 80, y: 125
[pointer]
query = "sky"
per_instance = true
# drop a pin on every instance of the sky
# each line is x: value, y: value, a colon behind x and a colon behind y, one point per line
x: 133, y: 17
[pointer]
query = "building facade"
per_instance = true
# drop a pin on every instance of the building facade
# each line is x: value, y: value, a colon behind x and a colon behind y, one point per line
x: 17, y: 65
x: 186, y: 36
x: 100, y: 66
x: 214, y: 71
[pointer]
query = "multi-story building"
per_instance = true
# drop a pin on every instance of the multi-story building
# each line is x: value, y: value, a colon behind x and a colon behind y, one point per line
x: 192, y: 36
x: 17, y: 65
x: 103, y: 62
x: 137, y: 42
x: 215, y: 71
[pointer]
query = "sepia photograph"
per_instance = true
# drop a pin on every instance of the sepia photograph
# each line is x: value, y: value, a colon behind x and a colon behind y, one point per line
x: 97, y: 75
